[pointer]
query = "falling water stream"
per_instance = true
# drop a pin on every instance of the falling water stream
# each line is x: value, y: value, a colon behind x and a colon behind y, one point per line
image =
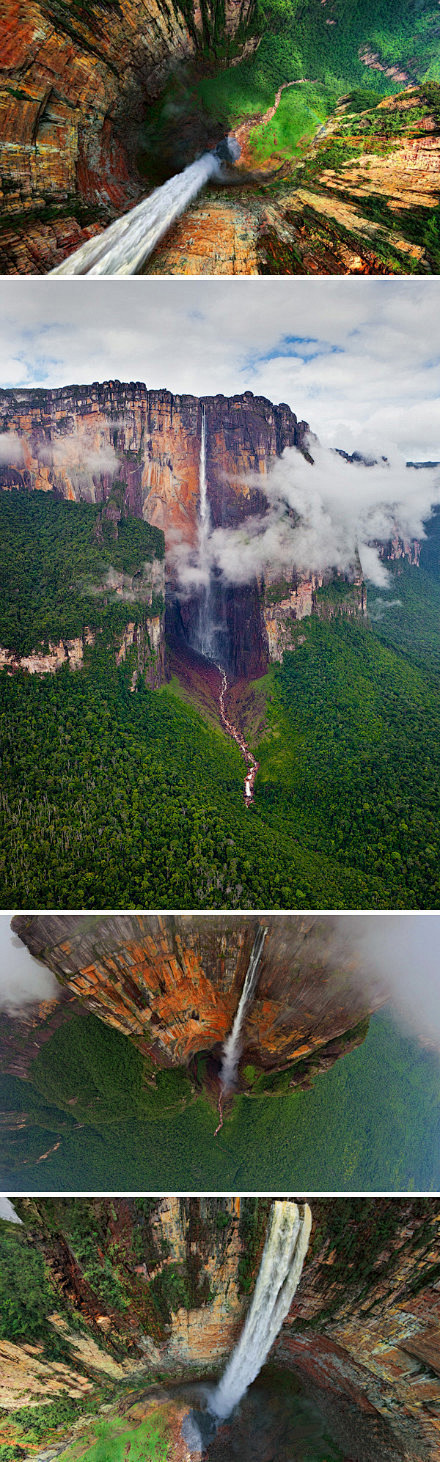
x: 279, y: 1275
x: 251, y: 763
x: 126, y: 244
x: 233, y: 1043
x: 205, y: 634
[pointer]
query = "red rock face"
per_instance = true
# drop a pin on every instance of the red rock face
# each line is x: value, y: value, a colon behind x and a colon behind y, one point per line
x: 370, y: 1360
x: 76, y: 83
x: 173, y: 983
x: 157, y: 440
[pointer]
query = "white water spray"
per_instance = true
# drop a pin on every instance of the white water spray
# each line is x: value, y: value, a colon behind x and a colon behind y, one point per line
x: 232, y: 1046
x: 279, y: 1275
x: 126, y: 244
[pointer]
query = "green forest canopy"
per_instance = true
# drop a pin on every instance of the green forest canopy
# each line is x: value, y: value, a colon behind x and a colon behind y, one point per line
x: 54, y: 561
x: 372, y: 1122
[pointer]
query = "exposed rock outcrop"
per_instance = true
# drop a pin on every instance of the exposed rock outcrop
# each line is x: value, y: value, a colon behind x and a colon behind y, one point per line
x: 155, y: 439
x: 344, y: 207
x: 167, y: 1294
x: 77, y: 82
x: 172, y: 984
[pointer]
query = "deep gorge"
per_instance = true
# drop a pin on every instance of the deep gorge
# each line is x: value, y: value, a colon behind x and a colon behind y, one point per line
x: 143, y: 1299
x: 101, y: 103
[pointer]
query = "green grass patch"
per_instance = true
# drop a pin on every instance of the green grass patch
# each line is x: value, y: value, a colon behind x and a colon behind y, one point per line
x: 113, y: 1441
x: 301, y: 111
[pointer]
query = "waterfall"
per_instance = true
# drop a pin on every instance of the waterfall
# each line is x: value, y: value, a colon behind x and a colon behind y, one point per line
x: 232, y: 1046
x: 126, y: 244
x: 279, y: 1275
x: 203, y: 490
x: 205, y: 631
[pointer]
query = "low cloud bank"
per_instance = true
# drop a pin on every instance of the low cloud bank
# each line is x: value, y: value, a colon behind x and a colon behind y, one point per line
x: 396, y: 957
x: 334, y: 515
x: 22, y: 979
x: 79, y: 454
x: 11, y: 449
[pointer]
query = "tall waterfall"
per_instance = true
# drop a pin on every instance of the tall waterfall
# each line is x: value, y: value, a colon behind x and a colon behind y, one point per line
x: 126, y: 244
x: 280, y: 1272
x: 203, y: 487
x: 205, y: 631
x: 232, y: 1045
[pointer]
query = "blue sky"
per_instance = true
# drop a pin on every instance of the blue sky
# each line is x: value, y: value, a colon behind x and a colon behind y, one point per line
x: 357, y: 358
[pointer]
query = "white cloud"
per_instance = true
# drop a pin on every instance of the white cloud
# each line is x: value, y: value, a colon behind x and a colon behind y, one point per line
x: 11, y: 448
x: 23, y: 980
x: 397, y: 958
x: 80, y: 454
x: 367, y: 370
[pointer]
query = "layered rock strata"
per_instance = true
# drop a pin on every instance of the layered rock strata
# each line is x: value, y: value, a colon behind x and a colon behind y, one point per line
x: 77, y: 82
x: 155, y: 438
x: 361, y: 1336
x: 173, y: 983
x: 344, y: 206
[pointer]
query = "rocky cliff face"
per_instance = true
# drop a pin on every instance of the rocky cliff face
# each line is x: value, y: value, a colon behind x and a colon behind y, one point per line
x: 161, y: 1287
x: 154, y: 440
x: 173, y: 983
x: 77, y: 82
x: 77, y: 87
x: 344, y: 207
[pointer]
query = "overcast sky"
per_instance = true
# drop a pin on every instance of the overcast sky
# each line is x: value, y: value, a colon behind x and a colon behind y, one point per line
x: 357, y: 358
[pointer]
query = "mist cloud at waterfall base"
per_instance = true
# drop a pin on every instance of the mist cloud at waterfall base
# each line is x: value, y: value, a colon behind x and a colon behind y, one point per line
x: 23, y: 980
x: 396, y: 959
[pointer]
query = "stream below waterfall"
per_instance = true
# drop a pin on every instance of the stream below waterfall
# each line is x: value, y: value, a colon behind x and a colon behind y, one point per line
x: 251, y: 763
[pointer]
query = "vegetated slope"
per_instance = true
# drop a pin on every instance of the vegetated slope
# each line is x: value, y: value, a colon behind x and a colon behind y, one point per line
x: 55, y: 567
x: 340, y: 182
x: 352, y: 757
x: 94, y: 1121
x: 139, y: 90
x: 114, y: 799
x: 406, y: 616
x: 304, y: 38
x: 180, y: 1271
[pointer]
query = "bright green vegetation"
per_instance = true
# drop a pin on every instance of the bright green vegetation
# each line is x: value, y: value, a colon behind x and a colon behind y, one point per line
x: 370, y: 1123
x: 352, y: 754
x: 294, y: 41
x: 26, y: 1296
x: 54, y: 561
x: 412, y: 624
x: 298, y: 41
x: 114, y: 1441
x: 130, y: 800
x: 301, y: 110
